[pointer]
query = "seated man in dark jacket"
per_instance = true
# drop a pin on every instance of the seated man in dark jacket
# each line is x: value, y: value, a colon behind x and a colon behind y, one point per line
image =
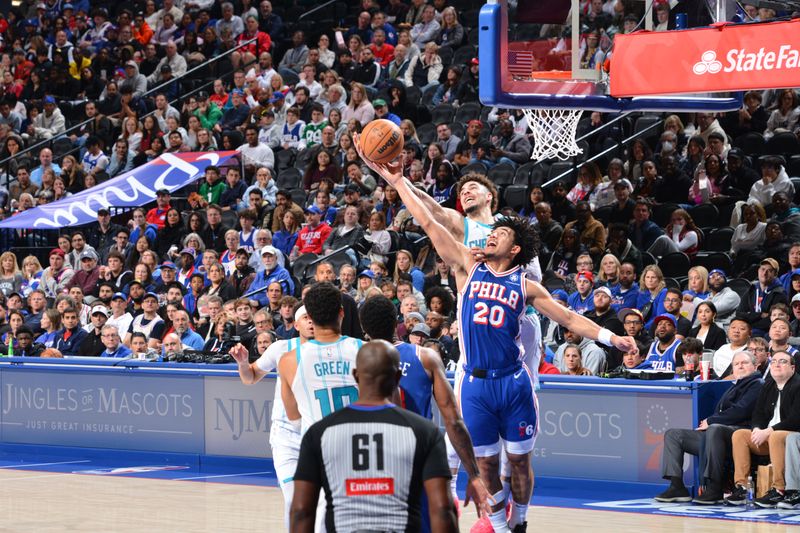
x: 761, y: 296
x: 711, y: 440
x: 776, y: 416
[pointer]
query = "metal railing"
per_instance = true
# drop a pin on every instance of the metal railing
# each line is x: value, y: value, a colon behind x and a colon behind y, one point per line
x: 317, y: 8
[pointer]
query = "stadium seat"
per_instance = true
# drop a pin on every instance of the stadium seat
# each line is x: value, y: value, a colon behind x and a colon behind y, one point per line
x: 446, y: 53
x: 427, y: 97
x: 645, y: 127
x: 523, y: 173
x: 556, y: 169
x: 712, y: 260
x: 443, y: 113
x: 502, y: 174
x: 413, y: 94
x: 426, y: 134
x: 553, y: 283
x: 61, y: 147
x: 299, y: 197
x: 662, y: 213
x: 458, y: 129
x: 291, y: 79
x: 480, y: 168
x: 468, y: 111
x: 229, y: 218
x: 739, y: 285
x: 290, y: 178
x: 514, y: 196
x: 674, y: 265
x: 672, y: 283
x: 648, y: 259
x: 793, y: 166
x: 301, y: 265
x: 284, y: 159
x: 784, y: 143
x: 796, y: 183
x: 473, y: 36
x: 705, y: 215
x: 751, y: 143
x: 464, y: 54
x: 719, y: 240
x: 603, y: 214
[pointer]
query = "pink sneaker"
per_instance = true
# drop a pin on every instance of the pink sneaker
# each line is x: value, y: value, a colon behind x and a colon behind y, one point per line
x: 482, y: 526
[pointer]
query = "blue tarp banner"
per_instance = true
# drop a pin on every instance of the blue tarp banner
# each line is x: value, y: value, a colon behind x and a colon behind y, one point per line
x: 132, y: 189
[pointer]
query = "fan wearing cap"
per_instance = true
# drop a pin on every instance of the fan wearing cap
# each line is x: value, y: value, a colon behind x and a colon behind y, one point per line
x: 148, y: 322
x: 158, y: 214
x: 582, y: 300
x: 119, y: 316
x: 382, y: 111
x: 313, y: 235
x: 724, y: 298
x: 662, y: 355
x: 603, y: 314
x: 234, y: 116
x: 49, y: 124
x: 272, y: 272
x: 92, y: 345
x: 761, y: 296
x: 56, y: 277
x: 88, y: 277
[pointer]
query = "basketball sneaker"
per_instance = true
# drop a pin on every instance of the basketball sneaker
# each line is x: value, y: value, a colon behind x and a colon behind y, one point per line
x: 738, y: 496
x: 791, y: 500
x: 770, y: 499
x: 674, y: 494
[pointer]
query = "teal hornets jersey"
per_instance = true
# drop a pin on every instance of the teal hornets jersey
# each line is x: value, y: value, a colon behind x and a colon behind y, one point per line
x: 324, y: 380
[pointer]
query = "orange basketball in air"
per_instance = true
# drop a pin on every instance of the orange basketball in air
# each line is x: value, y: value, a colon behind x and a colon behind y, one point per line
x: 381, y: 141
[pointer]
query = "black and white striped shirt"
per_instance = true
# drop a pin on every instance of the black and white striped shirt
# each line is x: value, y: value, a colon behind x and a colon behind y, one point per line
x: 372, y: 462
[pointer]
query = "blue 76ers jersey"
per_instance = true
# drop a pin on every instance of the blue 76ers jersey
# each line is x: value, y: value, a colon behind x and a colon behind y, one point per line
x: 662, y: 361
x: 415, y: 385
x: 491, y: 306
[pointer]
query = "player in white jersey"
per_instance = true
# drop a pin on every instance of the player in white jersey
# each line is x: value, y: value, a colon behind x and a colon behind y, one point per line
x: 284, y: 437
x: 318, y: 376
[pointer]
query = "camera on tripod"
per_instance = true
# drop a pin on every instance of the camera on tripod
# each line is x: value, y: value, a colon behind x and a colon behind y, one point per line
x: 228, y: 340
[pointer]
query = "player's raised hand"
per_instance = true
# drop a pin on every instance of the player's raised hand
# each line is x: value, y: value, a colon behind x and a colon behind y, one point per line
x: 391, y: 172
x: 477, y: 492
x: 478, y: 254
x: 240, y: 354
x: 625, y: 344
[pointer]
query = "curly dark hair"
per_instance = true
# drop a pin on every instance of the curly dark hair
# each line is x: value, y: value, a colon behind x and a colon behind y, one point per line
x: 378, y: 318
x: 525, y: 236
x: 444, y: 295
x: 323, y: 302
x: 483, y: 180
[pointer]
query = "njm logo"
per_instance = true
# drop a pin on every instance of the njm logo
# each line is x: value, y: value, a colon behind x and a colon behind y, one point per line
x: 242, y: 416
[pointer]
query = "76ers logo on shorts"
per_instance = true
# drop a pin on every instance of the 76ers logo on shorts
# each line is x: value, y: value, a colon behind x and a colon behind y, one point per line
x: 525, y: 429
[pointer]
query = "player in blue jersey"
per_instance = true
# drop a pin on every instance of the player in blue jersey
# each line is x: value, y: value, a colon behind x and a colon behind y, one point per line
x: 423, y: 377
x: 495, y: 391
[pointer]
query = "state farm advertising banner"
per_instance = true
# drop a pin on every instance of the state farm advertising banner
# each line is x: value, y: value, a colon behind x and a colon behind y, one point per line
x: 727, y: 57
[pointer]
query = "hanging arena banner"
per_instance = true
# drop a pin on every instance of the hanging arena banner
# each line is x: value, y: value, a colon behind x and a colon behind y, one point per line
x: 135, y: 188
x: 724, y: 57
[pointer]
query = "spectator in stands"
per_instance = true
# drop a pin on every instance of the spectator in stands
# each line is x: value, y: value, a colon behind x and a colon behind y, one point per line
x: 427, y: 29
x: 776, y: 414
x: 451, y: 32
x: 255, y: 153
x: 592, y: 233
x: 711, y: 439
x: 582, y: 300
x: 71, y: 335
x: 510, y: 147
x: 725, y: 300
x: 681, y: 236
x: 297, y: 56
x: 742, y: 177
x: 359, y: 107
x: 707, y: 331
x: 311, y: 238
x: 751, y: 117
x: 47, y: 124
x: 592, y: 356
x: 213, y: 234
x: 707, y: 124
x: 248, y: 53
x: 785, y: 117
x: 176, y: 63
x: 761, y: 296
x: 383, y: 51
x: 234, y: 117
x: 321, y: 168
x: 425, y: 69
x: 787, y: 215
x: 621, y: 247
x: 672, y: 306
x: 573, y: 362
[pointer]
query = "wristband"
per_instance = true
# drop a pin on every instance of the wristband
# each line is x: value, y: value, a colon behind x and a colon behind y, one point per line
x: 605, y: 336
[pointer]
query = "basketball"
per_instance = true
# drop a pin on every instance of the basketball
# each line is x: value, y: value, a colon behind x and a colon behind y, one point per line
x: 381, y: 141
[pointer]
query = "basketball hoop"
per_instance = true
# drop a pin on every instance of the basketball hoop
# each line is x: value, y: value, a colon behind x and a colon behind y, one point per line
x: 554, y: 132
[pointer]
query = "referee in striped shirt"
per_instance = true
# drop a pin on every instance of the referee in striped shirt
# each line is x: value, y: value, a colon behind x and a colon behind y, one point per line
x: 373, y: 460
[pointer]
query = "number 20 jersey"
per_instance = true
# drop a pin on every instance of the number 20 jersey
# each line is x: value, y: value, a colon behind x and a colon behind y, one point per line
x: 491, y: 306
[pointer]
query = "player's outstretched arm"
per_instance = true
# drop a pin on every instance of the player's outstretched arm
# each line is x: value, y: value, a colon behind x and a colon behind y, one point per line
x: 249, y: 373
x: 287, y: 368
x: 457, y: 431
x: 450, y: 218
x: 544, y: 303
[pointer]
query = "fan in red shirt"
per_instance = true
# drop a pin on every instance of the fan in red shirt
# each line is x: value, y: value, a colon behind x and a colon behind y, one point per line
x: 248, y: 54
x: 313, y: 235
x: 383, y: 51
x: 158, y: 215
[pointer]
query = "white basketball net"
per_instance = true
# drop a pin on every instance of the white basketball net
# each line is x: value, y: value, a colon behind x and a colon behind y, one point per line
x: 553, y: 132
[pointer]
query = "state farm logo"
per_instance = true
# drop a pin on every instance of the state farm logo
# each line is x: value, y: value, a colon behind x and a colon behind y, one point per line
x: 708, y: 64
x: 369, y: 486
x: 744, y: 60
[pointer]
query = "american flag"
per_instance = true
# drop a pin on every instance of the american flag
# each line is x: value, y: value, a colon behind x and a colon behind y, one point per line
x: 520, y: 63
